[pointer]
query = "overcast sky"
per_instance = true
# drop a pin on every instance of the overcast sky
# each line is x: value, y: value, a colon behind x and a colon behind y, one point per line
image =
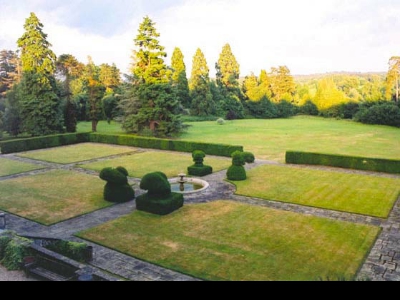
x: 308, y: 36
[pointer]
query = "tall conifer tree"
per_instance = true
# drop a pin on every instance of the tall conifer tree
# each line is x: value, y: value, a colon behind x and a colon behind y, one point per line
x: 179, y: 78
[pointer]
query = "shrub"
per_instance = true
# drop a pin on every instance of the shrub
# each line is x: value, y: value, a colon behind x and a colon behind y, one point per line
x: 380, y: 114
x: 342, y: 161
x: 117, y: 189
x: 249, y: 157
x: 5, y: 238
x: 72, y: 250
x: 237, y: 172
x: 17, y: 249
x: 309, y: 108
x: 199, y: 169
x: 286, y: 109
x: 198, y: 157
x: 159, y: 199
x: 221, y: 121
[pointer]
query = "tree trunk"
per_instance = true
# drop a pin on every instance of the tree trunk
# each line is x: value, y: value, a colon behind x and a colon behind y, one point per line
x: 94, y: 125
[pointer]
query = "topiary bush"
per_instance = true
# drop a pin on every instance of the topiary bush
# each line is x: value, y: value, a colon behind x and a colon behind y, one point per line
x: 237, y: 172
x: 249, y: 157
x: 72, y: 250
x: 159, y: 199
x: 199, y: 169
x: 117, y: 189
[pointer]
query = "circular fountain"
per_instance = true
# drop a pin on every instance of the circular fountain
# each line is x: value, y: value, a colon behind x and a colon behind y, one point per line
x: 185, y: 185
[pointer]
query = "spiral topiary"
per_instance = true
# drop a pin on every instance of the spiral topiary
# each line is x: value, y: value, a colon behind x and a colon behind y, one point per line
x: 117, y: 189
x: 159, y: 199
x: 199, y: 169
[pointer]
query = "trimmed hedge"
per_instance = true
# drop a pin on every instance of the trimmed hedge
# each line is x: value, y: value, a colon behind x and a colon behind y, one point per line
x: 117, y: 189
x: 44, y: 142
x: 342, y: 161
x: 163, y: 144
x: 199, y: 169
x: 161, y: 207
x: 72, y: 250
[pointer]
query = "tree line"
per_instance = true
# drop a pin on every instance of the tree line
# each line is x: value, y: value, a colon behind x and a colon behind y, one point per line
x: 43, y: 94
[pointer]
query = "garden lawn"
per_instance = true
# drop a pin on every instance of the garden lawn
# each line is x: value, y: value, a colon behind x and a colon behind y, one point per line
x: 53, y: 196
x: 270, y: 139
x: 361, y: 194
x: 238, y: 242
x: 76, y: 153
x: 11, y: 167
x: 172, y: 164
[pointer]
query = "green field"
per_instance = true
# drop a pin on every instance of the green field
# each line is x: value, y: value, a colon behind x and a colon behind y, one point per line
x: 270, y: 139
x: 230, y: 241
x: 53, y: 196
x: 334, y: 190
x: 76, y: 153
x: 171, y: 164
x: 11, y: 167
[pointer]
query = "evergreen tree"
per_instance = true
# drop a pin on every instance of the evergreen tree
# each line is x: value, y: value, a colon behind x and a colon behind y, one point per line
x: 12, y: 115
x: 149, y: 66
x: 1, y: 124
x: 179, y: 78
x: 40, y: 104
x: 69, y: 67
x: 154, y: 104
x: 95, y: 92
x: 228, y: 72
x: 202, y: 100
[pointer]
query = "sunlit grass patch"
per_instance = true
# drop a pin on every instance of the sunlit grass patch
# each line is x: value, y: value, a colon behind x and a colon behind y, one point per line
x: 11, y: 167
x: 53, y: 196
x: 354, y: 193
x: 231, y: 241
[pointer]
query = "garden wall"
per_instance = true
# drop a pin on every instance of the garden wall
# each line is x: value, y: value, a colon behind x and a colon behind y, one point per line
x: 342, y: 161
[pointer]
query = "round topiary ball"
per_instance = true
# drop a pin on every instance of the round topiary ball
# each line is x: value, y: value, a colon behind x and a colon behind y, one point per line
x: 198, y: 157
x: 156, y: 184
x: 236, y: 173
x: 249, y: 157
x: 238, y: 159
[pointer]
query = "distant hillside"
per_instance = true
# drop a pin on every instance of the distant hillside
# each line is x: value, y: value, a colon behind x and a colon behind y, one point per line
x: 307, y: 78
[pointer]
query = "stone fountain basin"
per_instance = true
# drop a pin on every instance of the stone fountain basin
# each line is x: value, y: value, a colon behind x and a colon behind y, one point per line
x: 194, y: 181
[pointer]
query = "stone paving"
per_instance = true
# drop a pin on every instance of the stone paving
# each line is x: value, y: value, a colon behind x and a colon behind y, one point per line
x: 382, y: 264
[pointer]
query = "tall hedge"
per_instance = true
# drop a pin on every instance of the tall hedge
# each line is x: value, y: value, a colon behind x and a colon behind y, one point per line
x: 342, y: 161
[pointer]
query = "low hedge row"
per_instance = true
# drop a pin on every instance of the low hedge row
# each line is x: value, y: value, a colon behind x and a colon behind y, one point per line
x: 163, y: 144
x: 45, y: 142
x: 342, y: 161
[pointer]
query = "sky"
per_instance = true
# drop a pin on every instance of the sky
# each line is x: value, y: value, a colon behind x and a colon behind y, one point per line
x: 307, y: 36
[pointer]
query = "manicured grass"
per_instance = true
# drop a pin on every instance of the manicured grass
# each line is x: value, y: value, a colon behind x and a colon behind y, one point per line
x: 270, y: 139
x: 355, y: 193
x: 172, y: 164
x: 53, y: 196
x: 231, y: 241
x: 76, y: 153
x: 11, y: 167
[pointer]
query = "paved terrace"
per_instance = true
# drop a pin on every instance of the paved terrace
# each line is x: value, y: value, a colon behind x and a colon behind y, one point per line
x: 382, y: 264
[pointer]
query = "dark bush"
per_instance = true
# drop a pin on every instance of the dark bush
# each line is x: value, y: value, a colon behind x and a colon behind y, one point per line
x: 263, y: 109
x: 238, y: 158
x: 5, y: 238
x: 199, y: 169
x: 159, y: 199
x: 117, y: 189
x: 72, y: 250
x: 380, y: 114
x: 43, y: 142
x: 286, y: 109
x: 309, y: 108
x: 342, y: 161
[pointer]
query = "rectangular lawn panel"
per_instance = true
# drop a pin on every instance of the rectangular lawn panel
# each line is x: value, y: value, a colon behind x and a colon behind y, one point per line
x: 270, y: 139
x: 76, y: 153
x: 361, y: 194
x: 231, y: 241
x: 11, y: 167
x: 53, y: 196
x: 172, y: 164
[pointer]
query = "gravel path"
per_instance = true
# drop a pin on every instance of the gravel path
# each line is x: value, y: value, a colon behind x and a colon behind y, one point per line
x: 13, y: 275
